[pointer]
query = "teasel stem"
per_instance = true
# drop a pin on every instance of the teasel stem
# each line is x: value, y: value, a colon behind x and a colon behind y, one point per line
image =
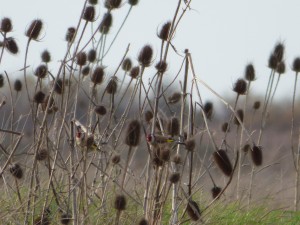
x: 190, y: 134
x: 2, y: 50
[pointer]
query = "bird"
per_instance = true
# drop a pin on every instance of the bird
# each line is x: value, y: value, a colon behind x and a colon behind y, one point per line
x: 84, y: 139
x: 159, y: 139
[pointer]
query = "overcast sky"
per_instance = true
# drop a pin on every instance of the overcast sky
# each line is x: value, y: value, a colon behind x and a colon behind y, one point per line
x: 223, y: 36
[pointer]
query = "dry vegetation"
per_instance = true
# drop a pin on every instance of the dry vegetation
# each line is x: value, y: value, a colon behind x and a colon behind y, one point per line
x: 88, y: 146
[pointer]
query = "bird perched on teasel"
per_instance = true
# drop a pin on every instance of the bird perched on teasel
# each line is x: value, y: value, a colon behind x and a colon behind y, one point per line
x: 159, y: 139
x: 84, y: 138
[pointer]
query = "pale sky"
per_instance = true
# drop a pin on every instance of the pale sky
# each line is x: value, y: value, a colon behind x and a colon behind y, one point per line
x: 222, y: 36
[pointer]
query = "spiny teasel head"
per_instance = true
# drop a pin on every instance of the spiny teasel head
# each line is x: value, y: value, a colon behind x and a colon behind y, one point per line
x: 165, y: 154
x: 190, y: 144
x: 11, y: 45
x: 92, y: 55
x: 115, y: 159
x: 81, y: 58
x: 112, y: 4
x: 250, y: 72
x: 18, y: 85
x: 85, y: 70
x: 51, y: 104
x: 89, y: 13
x: 120, y: 203
x: 41, y: 71
x: 256, y: 105
x: 34, y: 29
x: 296, y: 65
x: 193, y: 210
x: 173, y: 126
x: 240, y: 115
x: 273, y: 62
x: 70, y: 35
x: 59, y: 86
x: 42, y: 154
x: 39, y: 97
x: 174, y: 177
x: 223, y: 162
x: 112, y: 86
x: 126, y: 65
x: 208, y: 110
x: 164, y: 31
x: 246, y: 148
x: 225, y: 127
x: 1, y: 80
x: 100, y: 110
x: 45, y: 56
x: 156, y: 160
x: 174, y: 98
x: 240, y: 87
x: 106, y: 23
x: 65, y: 218
x: 256, y: 155
x: 133, y: 133
x: 97, y: 75
x: 133, y: 2
x: 177, y: 159
x: 143, y: 222
x: 148, y: 116
x: 215, y: 191
x: 280, y: 68
x: 90, y: 141
x: 134, y: 72
x: 6, y: 25
x: 145, y: 56
x: 161, y: 66
x: 279, y: 51
x: 93, y: 2
x: 16, y: 170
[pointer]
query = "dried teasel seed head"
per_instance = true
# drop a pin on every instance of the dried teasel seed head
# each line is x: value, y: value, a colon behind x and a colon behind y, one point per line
x: 177, y: 159
x: 6, y: 25
x: 41, y: 71
x: 1, y: 80
x: 45, y: 56
x: 240, y: 115
x: 256, y: 105
x: 112, y: 4
x: 156, y: 160
x: 133, y: 2
x: 174, y: 98
x: 256, y: 155
x: 208, y: 109
x: 16, y: 170
x: 215, y: 191
x: 85, y: 70
x: 106, y: 23
x: 90, y: 141
x: 39, y: 97
x: 112, y: 86
x: 44, y: 104
x: 165, y: 154
x: 127, y: 64
x: 240, y: 87
x: 225, y: 127
x: 173, y: 126
x: 59, y: 86
x: 296, y: 65
x: 193, y: 210
x: 279, y: 51
x: 145, y: 56
x: 92, y: 54
x: 250, y: 72
x: 120, y: 202
x: 89, y: 13
x: 93, y: 2
x: 81, y: 58
x: 273, y: 61
x: 161, y: 66
x: 190, y: 144
x: 115, y: 159
x: 164, y: 31
x: 143, y: 222
x: 70, y: 35
x: 42, y: 154
x: 280, y: 68
x: 132, y: 138
x: 34, y: 29
x: 65, y: 218
x: 11, y: 45
x: 97, y: 75
x: 148, y: 116
x: 174, y: 177
x: 100, y: 110
x: 223, y: 162
x: 246, y: 148
x: 134, y: 72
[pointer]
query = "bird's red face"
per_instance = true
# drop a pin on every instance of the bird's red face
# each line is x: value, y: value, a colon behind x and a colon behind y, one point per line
x: 78, y: 132
x: 149, y: 138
